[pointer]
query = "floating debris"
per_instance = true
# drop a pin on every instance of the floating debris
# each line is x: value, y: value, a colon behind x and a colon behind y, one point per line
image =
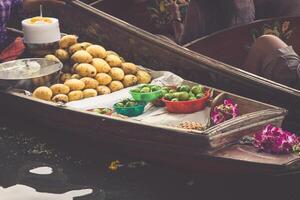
x: 115, y: 165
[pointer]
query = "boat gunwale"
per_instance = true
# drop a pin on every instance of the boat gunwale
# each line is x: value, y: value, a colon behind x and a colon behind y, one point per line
x: 208, y: 135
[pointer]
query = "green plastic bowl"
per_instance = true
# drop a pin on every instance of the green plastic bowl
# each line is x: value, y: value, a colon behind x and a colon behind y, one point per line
x: 131, y: 111
x: 146, y: 97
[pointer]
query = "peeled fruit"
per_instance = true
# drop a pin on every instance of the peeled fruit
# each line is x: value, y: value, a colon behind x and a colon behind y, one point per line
x: 75, y: 84
x: 101, y: 89
x: 129, y: 80
x: 87, y: 93
x: 143, y: 77
x: 129, y: 68
x: 62, y: 54
x: 52, y: 58
x: 81, y: 56
x: 90, y: 83
x: 116, y: 74
x: 97, y: 51
x: 103, y: 79
x: 113, y: 60
x: 61, y: 98
x: 75, y: 95
x: 60, y: 89
x: 43, y: 92
x: 86, y: 70
x: 101, y: 65
x: 67, y: 41
x: 115, y: 86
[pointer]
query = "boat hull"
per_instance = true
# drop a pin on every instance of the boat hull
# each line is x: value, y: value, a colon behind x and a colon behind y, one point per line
x: 147, y: 143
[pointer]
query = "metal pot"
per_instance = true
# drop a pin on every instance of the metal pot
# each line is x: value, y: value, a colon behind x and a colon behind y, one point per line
x: 29, y: 73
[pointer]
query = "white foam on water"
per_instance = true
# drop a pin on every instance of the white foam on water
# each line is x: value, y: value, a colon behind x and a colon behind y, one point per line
x: 23, y: 192
x: 42, y: 170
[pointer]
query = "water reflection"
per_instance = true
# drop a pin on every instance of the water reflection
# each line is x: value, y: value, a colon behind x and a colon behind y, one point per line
x: 23, y: 192
x: 42, y: 170
x: 78, y: 164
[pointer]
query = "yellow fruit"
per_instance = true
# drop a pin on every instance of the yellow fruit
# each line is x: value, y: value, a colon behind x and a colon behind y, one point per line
x: 115, y: 86
x: 60, y: 89
x: 143, y: 77
x: 52, y: 58
x: 42, y: 92
x: 60, y: 98
x: 75, y: 76
x: 62, y: 54
x: 129, y: 80
x: 101, y: 89
x: 67, y: 41
x: 97, y: 51
x: 103, y: 79
x: 101, y: 65
x: 90, y: 83
x: 113, y: 60
x: 117, y: 74
x: 75, y: 84
x: 129, y: 68
x: 81, y: 56
x: 75, y: 95
x: 87, y: 93
x: 86, y: 70
x: 64, y: 77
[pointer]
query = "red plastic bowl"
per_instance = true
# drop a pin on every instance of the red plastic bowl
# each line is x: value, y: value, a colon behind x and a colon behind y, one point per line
x: 187, y: 106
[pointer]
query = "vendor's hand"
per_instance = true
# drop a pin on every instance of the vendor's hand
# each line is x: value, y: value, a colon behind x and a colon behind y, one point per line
x: 33, y: 5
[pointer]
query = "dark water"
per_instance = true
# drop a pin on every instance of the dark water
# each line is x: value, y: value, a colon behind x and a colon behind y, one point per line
x: 82, y: 164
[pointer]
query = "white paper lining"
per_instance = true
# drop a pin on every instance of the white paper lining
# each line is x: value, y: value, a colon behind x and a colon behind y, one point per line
x: 152, y: 115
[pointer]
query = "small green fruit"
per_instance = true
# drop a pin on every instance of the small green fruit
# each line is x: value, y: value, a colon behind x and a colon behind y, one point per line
x: 184, y: 88
x: 145, y: 90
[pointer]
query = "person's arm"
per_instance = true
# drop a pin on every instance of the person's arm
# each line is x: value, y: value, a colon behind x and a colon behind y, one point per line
x: 176, y: 20
x: 191, y: 28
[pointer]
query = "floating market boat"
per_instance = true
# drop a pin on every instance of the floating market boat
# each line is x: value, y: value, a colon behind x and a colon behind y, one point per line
x: 216, y: 149
x: 226, y: 51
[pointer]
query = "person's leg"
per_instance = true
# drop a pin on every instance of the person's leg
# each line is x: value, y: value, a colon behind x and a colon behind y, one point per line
x: 262, y: 47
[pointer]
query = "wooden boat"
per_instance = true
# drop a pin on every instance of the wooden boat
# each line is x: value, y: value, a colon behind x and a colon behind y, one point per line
x: 215, y: 150
x: 220, y: 69
x: 230, y: 46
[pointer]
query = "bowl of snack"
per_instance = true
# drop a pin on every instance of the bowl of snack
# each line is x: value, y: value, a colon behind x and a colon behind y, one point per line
x: 102, y: 111
x: 146, y: 93
x: 129, y: 107
x: 186, y: 99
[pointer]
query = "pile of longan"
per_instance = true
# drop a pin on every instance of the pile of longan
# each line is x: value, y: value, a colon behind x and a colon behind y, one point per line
x: 94, y: 71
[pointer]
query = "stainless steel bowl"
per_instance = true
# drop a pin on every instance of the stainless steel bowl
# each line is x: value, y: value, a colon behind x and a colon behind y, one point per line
x: 29, y: 73
x: 41, y: 50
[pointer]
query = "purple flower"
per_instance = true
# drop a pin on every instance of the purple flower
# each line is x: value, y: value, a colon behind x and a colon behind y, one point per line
x: 225, y: 111
x: 275, y: 140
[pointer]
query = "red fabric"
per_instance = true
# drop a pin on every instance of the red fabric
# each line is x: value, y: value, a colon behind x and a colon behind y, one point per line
x: 13, y: 51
